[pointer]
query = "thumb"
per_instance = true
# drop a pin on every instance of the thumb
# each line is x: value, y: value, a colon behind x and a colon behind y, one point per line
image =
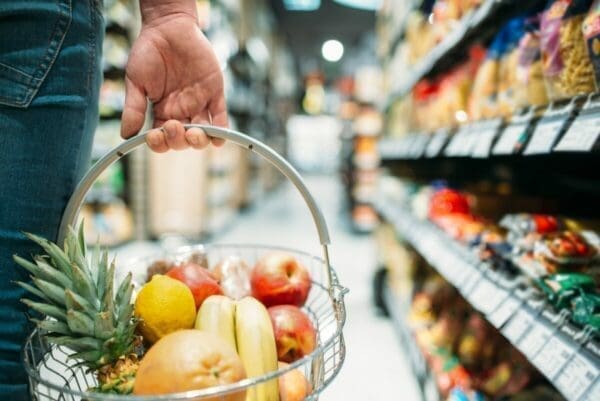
x: 134, y: 111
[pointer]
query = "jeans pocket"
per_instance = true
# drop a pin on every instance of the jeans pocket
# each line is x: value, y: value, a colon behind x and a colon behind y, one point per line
x: 31, y: 36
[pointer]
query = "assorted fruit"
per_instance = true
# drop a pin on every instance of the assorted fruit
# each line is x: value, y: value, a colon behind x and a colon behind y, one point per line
x: 190, y: 327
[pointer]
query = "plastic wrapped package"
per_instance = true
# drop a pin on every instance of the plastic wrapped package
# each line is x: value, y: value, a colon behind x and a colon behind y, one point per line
x: 507, y: 73
x: 424, y: 95
x: 530, y: 88
x: 419, y: 36
x: 446, y: 16
x: 567, y: 67
x: 483, y: 102
x: 591, y: 34
x: 455, y: 89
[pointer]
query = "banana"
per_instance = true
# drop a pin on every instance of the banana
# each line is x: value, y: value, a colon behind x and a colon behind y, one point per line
x: 217, y: 316
x: 256, y: 347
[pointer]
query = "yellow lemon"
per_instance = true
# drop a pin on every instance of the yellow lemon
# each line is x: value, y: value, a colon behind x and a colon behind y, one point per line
x: 164, y: 305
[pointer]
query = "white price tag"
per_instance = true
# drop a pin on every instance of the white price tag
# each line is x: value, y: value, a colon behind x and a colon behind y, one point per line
x: 504, y: 311
x: 436, y: 144
x: 577, y: 377
x: 509, y: 139
x: 544, y: 137
x: 483, y: 294
x: 517, y: 326
x: 533, y: 341
x: 455, y: 145
x: 581, y: 136
x: 484, y: 143
x: 495, y: 299
x: 555, y: 354
x: 593, y: 393
x: 468, y: 143
x: 470, y: 284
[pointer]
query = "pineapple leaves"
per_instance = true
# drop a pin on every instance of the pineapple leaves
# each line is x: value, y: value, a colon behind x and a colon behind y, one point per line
x: 55, y: 293
x: 80, y: 323
x: 45, y: 309
x: 76, y: 302
x: 81, y: 239
x: 102, y: 273
x: 123, y: 299
x: 80, y: 344
x: 53, y: 326
x: 85, y: 309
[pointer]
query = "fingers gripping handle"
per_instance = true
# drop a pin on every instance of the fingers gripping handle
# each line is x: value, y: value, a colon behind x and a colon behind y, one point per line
x: 74, y: 204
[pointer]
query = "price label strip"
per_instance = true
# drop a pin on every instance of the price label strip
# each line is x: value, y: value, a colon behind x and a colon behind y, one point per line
x: 534, y: 340
x: 577, y: 377
x: 470, y: 284
x: 593, y: 394
x: 436, y: 144
x: 544, y: 137
x: 482, y: 148
x: 509, y: 139
x: 494, y: 300
x: 581, y: 136
x: 553, y: 356
x: 518, y: 325
x: 504, y: 311
x: 454, y: 147
x: 485, y: 296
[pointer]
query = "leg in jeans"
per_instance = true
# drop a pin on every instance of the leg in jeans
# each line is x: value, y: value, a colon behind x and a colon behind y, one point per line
x: 49, y: 82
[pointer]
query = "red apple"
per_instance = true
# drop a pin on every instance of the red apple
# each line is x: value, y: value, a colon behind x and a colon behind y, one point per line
x: 293, y: 385
x: 198, y: 279
x: 279, y: 279
x: 295, y: 334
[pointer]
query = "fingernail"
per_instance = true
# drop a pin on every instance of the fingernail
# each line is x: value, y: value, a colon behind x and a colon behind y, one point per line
x: 154, y: 139
x: 194, y: 139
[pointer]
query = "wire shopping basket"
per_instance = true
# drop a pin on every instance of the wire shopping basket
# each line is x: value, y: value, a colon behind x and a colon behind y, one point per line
x: 53, y: 375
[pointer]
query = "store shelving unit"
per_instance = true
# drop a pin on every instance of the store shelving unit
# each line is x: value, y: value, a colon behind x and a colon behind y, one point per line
x: 567, y: 355
x: 555, y: 129
x: 397, y: 310
x: 476, y: 27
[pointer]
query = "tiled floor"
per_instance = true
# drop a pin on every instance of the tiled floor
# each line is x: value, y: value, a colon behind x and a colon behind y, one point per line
x: 375, y: 368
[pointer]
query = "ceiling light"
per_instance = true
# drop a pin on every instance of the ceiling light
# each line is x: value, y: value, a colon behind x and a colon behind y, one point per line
x: 362, y: 4
x: 332, y: 50
x: 302, y: 5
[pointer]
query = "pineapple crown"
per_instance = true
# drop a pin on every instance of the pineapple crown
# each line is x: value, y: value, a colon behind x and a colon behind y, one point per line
x: 77, y: 295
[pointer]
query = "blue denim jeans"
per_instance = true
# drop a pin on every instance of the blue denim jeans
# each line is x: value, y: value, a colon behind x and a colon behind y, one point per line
x: 49, y: 85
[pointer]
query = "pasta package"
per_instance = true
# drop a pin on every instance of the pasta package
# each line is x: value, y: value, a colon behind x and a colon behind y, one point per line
x: 591, y: 34
x: 530, y: 88
x: 566, y: 65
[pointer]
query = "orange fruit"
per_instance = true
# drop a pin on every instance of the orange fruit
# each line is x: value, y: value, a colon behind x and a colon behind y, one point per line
x: 189, y: 360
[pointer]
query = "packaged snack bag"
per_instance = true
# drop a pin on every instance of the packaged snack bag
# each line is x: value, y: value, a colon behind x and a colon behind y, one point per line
x: 483, y: 102
x: 507, y: 75
x: 530, y: 89
x: 567, y: 68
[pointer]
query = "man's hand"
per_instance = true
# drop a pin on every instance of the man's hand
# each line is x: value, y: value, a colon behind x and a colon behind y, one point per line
x: 173, y: 65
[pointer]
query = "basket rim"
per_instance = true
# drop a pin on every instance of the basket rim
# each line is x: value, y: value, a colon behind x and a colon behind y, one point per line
x: 222, y: 389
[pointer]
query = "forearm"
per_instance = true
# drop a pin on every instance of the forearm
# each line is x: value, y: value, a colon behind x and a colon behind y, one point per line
x: 156, y: 10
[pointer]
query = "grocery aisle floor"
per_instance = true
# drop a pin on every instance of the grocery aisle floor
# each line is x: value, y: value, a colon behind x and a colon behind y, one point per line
x: 375, y: 368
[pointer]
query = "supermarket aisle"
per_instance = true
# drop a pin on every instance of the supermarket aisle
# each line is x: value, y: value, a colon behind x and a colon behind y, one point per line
x: 375, y: 369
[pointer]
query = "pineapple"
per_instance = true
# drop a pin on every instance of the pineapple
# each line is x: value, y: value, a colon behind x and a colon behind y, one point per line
x: 76, y: 294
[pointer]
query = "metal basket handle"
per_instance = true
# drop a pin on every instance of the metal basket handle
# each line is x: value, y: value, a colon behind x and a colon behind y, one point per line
x: 72, y: 210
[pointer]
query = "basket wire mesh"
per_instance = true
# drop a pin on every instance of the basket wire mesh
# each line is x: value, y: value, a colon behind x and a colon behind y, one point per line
x: 54, y: 376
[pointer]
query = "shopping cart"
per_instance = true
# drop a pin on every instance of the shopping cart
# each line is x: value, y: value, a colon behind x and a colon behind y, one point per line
x: 54, y: 376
